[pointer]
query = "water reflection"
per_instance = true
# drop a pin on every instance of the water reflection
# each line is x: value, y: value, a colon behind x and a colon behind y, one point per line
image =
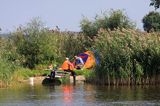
x: 68, y: 94
x: 79, y: 94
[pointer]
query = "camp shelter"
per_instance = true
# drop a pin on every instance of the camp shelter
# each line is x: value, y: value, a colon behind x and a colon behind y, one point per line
x: 88, y: 59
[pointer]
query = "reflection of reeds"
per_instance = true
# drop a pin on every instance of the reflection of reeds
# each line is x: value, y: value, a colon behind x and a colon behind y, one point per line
x: 128, y: 57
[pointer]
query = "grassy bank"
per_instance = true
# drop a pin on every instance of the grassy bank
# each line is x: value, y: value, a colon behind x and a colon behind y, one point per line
x: 20, y: 75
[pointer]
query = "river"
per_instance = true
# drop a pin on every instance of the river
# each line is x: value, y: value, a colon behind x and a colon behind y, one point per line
x: 80, y: 94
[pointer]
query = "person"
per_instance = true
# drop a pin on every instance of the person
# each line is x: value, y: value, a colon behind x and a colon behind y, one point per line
x: 80, y: 62
x: 69, y: 67
x: 50, y: 67
x: 52, y: 73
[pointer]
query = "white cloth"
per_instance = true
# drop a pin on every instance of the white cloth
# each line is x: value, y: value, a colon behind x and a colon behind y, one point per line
x: 80, y: 59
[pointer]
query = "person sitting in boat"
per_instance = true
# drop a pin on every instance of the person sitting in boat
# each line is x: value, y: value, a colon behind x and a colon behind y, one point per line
x: 52, y: 74
x: 68, y: 67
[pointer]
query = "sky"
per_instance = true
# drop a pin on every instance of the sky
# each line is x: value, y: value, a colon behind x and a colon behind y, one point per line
x: 66, y: 14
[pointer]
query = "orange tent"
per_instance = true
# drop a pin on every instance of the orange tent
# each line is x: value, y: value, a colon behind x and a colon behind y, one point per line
x: 88, y: 59
x: 91, y: 61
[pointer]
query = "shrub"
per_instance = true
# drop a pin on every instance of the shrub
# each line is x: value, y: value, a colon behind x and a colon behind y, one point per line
x: 116, y: 19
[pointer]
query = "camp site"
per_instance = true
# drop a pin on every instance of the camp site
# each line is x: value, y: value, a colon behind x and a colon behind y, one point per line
x: 80, y: 53
x: 62, y: 74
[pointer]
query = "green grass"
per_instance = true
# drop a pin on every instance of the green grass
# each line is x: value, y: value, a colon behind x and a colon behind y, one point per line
x: 24, y: 73
x: 85, y: 72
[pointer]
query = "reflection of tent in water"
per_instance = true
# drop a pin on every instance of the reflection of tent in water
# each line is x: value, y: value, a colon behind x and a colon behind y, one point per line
x: 88, y: 59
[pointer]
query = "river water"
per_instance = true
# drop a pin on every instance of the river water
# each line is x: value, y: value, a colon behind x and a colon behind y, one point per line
x: 80, y: 94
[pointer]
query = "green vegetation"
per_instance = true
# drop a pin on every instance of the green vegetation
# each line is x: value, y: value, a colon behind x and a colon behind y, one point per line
x: 6, y: 67
x: 113, y: 20
x: 24, y: 73
x: 35, y: 47
x: 151, y: 22
x: 127, y: 56
x: 6, y: 70
x: 155, y: 3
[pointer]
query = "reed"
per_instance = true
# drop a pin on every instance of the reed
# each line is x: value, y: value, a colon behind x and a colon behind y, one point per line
x: 127, y: 57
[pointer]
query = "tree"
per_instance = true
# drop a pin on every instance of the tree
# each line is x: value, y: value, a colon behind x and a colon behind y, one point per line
x: 151, y: 22
x: 30, y: 42
x: 116, y: 19
x: 155, y: 3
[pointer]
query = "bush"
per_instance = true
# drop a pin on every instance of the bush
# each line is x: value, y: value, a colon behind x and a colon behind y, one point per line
x: 116, y: 19
x: 35, y: 45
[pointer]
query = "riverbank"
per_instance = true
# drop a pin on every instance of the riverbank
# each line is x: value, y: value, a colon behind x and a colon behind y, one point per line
x: 39, y: 79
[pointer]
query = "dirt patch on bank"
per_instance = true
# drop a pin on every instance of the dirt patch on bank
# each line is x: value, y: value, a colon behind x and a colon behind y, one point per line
x: 39, y: 79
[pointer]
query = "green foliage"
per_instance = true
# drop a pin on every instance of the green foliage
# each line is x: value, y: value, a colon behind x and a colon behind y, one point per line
x: 116, y: 19
x: 26, y: 41
x: 155, y: 3
x: 79, y: 72
x: 151, y: 22
x: 127, y: 54
x: 89, y: 27
x: 82, y: 72
x: 6, y: 70
x: 25, y: 73
x: 72, y: 45
x: 6, y: 67
x: 89, y: 74
x: 33, y: 44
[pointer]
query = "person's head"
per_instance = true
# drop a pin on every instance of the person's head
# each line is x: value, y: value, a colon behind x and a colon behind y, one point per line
x: 50, y: 66
x: 67, y: 58
x: 76, y: 57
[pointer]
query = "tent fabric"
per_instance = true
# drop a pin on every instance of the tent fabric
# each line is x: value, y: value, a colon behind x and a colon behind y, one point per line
x: 88, y: 59
x: 91, y: 61
x: 83, y: 56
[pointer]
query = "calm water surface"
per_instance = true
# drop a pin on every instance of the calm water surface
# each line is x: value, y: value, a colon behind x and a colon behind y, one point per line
x: 79, y: 95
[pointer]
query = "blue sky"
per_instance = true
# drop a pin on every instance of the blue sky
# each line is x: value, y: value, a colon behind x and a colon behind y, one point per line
x: 66, y: 14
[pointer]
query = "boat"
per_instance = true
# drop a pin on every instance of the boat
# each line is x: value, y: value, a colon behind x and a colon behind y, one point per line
x: 60, y: 77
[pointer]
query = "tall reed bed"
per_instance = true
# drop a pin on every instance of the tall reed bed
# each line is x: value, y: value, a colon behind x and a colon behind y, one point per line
x: 127, y: 57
